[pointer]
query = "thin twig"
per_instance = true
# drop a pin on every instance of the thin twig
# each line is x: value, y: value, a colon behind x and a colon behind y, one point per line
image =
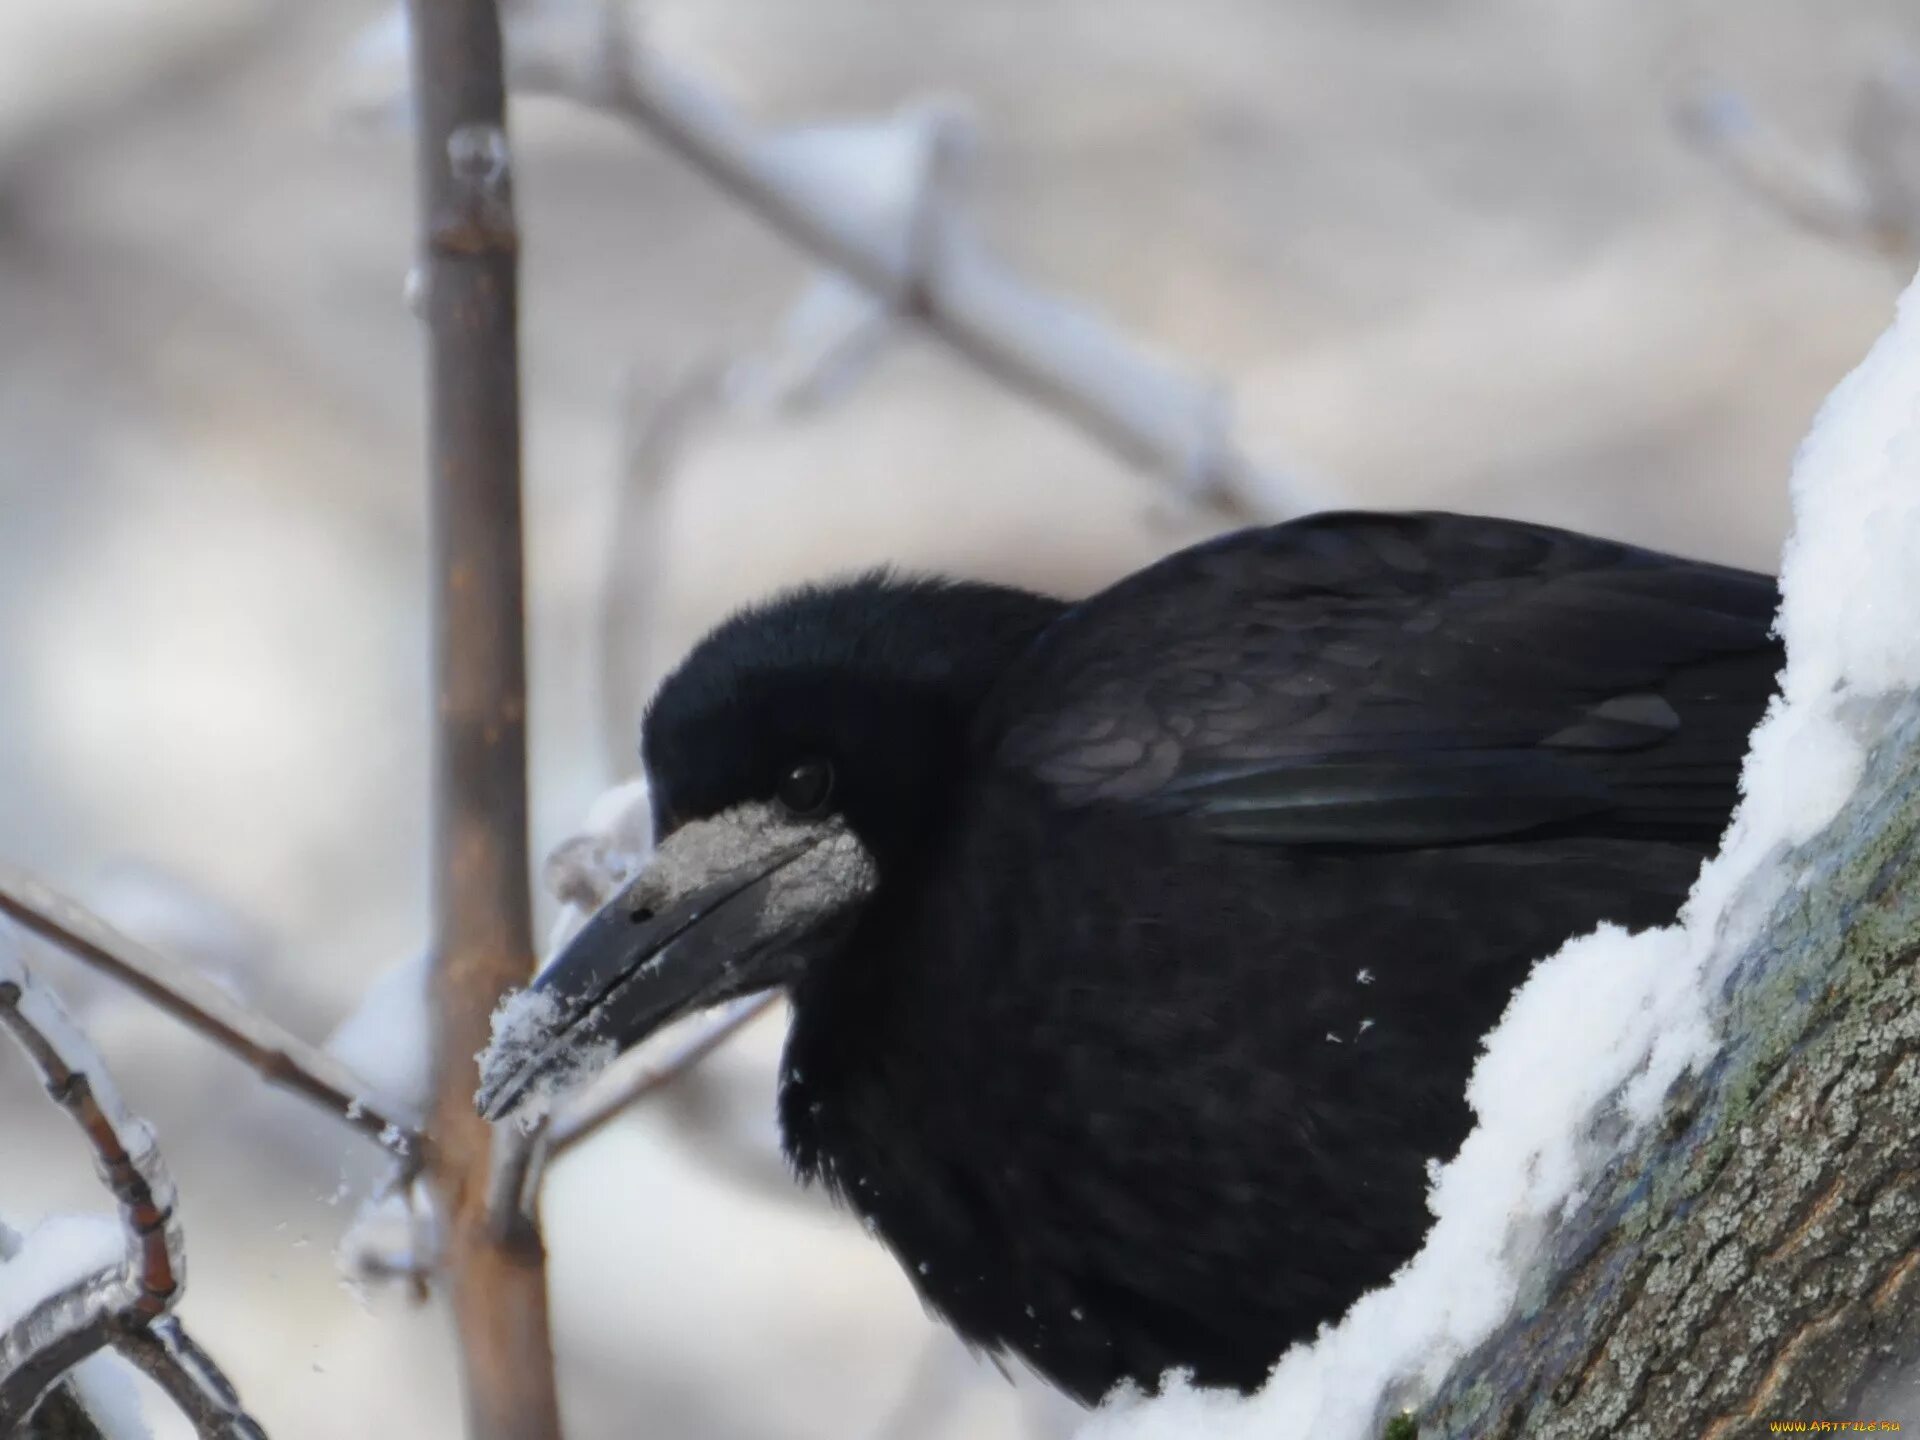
x: 513, y: 1187
x: 639, y: 1073
x: 1864, y: 192
x: 168, y: 1356
x: 1052, y: 353
x: 124, y: 1304
x: 277, y: 1055
x: 482, y: 909
x: 653, y: 436
x: 84, y: 1315
x: 1821, y: 194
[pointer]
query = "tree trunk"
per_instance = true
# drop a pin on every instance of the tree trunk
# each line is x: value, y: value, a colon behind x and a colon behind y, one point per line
x: 1753, y: 1257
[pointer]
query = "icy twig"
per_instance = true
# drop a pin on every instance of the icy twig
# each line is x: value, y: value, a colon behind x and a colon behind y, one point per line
x: 122, y: 1302
x: 82, y: 1312
x: 61, y: 1410
x: 169, y: 1357
x: 277, y: 1055
x: 1052, y: 352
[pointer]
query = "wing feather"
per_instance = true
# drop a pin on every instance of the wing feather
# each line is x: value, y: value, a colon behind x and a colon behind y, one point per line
x: 1393, y: 680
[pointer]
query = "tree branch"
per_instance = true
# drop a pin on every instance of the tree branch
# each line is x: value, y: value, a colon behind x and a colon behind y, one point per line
x: 639, y: 1073
x: 482, y: 936
x: 1863, y: 192
x: 1052, y: 353
x: 125, y: 1302
x: 277, y: 1055
x: 168, y: 1356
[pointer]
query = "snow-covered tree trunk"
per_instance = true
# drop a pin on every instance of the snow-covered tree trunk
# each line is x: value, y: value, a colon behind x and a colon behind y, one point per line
x: 1756, y: 1255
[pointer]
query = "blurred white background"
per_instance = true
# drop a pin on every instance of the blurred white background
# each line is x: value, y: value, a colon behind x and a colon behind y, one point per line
x: 1450, y: 254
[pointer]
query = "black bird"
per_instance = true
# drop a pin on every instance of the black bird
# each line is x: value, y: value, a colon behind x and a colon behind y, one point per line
x: 1139, y: 949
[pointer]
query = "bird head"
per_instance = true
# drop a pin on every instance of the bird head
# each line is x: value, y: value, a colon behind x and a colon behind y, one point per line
x: 801, y: 758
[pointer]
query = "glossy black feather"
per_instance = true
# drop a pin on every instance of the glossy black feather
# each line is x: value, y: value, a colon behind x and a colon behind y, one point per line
x: 1196, y: 897
x: 1395, y: 680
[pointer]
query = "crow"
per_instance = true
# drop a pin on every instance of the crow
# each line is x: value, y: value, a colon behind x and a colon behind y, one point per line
x: 1139, y: 949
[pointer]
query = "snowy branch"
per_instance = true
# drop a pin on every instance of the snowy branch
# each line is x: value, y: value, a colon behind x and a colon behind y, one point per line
x: 277, y: 1055
x: 60, y: 1410
x: 1863, y: 192
x: 80, y: 1284
x: 90, y: 1283
x: 918, y: 259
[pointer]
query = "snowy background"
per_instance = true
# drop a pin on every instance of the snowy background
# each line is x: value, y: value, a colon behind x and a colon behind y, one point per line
x: 1454, y: 255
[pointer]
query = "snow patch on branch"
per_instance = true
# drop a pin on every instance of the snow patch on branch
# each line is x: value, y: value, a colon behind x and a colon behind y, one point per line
x: 58, y: 1256
x: 1612, y: 1020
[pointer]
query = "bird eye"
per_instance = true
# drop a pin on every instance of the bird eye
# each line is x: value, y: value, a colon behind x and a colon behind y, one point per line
x: 806, y: 788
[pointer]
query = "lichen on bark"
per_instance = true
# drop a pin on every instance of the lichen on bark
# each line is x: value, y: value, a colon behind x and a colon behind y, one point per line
x: 1752, y: 1256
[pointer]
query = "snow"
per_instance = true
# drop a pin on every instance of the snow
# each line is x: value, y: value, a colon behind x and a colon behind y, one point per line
x: 875, y: 173
x: 105, y: 1387
x: 583, y: 871
x: 103, y: 1383
x: 387, y: 1040
x: 1612, y: 1018
x: 395, y: 1235
x: 830, y: 868
x: 59, y: 1253
x: 525, y: 1030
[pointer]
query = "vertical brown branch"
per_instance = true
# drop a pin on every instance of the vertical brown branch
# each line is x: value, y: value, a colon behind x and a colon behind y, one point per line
x: 483, y: 941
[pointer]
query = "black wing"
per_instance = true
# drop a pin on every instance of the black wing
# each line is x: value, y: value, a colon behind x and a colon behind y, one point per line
x: 1401, y: 680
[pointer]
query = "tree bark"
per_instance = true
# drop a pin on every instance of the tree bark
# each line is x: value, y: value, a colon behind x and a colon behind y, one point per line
x: 1753, y: 1258
x: 482, y: 928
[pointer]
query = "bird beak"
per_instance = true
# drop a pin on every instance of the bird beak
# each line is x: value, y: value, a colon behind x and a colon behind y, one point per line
x: 727, y: 907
